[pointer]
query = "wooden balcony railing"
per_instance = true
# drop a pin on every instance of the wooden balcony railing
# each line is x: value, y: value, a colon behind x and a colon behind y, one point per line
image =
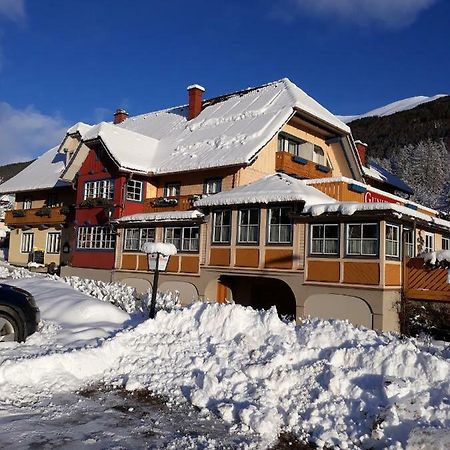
x: 37, y: 216
x: 178, y: 203
x: 293, y: 165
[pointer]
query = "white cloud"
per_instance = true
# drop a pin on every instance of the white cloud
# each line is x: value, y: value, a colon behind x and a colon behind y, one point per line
x: 26, y: 133
x: 13, y: 10
x: 386, y: 13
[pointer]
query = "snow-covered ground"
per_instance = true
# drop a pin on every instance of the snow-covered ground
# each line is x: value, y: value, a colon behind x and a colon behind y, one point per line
x: 324, y: 381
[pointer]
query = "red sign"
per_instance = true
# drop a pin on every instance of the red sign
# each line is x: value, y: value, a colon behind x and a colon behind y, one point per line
x: 373, y: 197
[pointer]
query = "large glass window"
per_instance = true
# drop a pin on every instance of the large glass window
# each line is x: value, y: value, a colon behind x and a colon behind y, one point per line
x: 185, y: 239
x: 53, y: 242
x: 392, y: 241
x: 279, y: 225
x: 212, y: 186
x: 134, y: 190
x: 410, y: 248
x: 248, y: 230
x: 362, y: 239
x: 445, y: 243
x: 429, y: 242
x: 324, y: 239
x: 172, y: 190
x: 136, y: 237
x: 101, y: 238
x: 99, y: 189
x: 26, y: 245
x: 221, y: 227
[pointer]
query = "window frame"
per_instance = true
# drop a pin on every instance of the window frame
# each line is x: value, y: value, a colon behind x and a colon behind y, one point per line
x: 409, y: 245
x: 27, y: 203
x: 140, y: 239
x: 447, y: 240
x: 221, y: 227
x: 181, y: 248
x: 30, y: 237
x: 362, y: 255
x: 279, y: 225
x: 49, y: 242
x: 324, y: 239
x: 397, y: 227
x: 248, y: 225
x: 97, y: 189
x: 136, y: 183
x: 92, y: 235
x: 426, y: 249
x: 171, y: 185
x: 217, y: 180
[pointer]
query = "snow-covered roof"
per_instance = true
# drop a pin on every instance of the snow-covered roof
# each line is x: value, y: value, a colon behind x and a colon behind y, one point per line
x: 79, y: 127
x: 230, y: 130
x: 349, y: 208
x: 43, y: 173
x: 166, y: 216
x: 277, y: 187
x: 379, y: 173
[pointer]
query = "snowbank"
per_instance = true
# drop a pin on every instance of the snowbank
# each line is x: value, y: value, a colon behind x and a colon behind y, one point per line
x: 325, y: 380
x: 439, y: 257
x: 159, y: 247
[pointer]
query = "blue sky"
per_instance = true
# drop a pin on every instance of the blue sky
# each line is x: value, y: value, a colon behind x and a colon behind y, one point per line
x: 68, y: 61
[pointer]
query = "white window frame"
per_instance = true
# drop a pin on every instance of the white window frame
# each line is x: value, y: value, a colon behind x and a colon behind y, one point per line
x: 396, y: 242
x: 324, y: 240
x: 428, y: 239
x: 95, y: 238
x: 53, y: 243
x: 409, y: 246
x: 184, y: 242
x: 27, y: 242
x: 134, y: 190
x: 142, y: 237
x: 445, y: 243
x: 27, y: 203
x: 248, y: 226
x: 221, y: 229
x: 277, y: 227
x: 99, y: 189
x: 172, y: 190
x: 362, y: 239
x: 212, y: 186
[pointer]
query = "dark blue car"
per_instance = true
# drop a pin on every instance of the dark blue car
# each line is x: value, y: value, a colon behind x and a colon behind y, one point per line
x: 19, y: 314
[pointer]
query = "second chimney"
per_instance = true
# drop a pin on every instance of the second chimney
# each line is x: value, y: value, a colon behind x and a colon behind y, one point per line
x: 362, y: 149
x: 119, y: 116
x: 195, y: 100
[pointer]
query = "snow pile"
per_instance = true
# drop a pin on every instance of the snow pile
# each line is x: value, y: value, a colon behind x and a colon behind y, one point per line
x: 159, y: 247
x: 326, y: 381
x: 437, y: 258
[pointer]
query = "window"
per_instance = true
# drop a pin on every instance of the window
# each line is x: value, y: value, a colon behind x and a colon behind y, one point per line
x: 280, y: 225
x: 101, y: 238
x: 324, y: 239
x: 27, y: 203
x: 99, y: 189
x: 53, y: 242
x: 408, y: 237
x: 304, y: 149
x: 212, y: 186
x: 134, y: 190
x: 362, y: 239
x: 429, y: 242
x: 248, y: 230
x: 185, y: 239
x: 392, y: 241
x: 318, y: 155
x: 52, y: 200
x: 136, y: 237
x: 222, y: 227
x: 172, y: 189
x: 26, y: 245
x: 445, y: 243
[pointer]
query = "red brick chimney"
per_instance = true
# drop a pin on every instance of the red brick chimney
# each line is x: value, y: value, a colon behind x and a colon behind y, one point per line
x: 362, y: 148
x: 195, y: 100
x: 119, y: 116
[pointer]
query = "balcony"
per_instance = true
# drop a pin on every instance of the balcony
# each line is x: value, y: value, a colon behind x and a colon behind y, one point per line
x: 294, y: 165
x: 178, y: 203
x: 37, y: 216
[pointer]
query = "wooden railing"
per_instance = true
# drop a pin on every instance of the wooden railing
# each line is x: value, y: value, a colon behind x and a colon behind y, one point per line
x: 178, y: 203
x: 425, y: 283
x: 293, y: 165
x: 36, y: 216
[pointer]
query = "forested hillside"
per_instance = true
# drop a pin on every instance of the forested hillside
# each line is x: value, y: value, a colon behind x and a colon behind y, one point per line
x: 415, y: 145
